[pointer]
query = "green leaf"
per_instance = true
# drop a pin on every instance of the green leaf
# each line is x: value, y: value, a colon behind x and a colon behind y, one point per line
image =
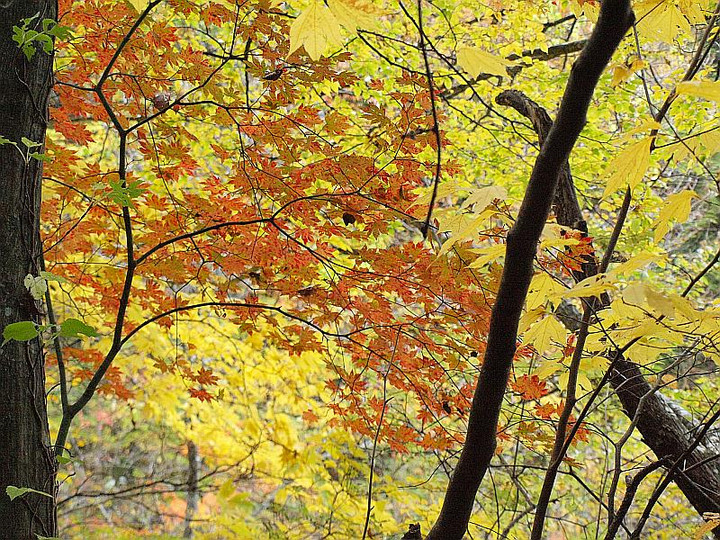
x: 15, y: 492
x: 27, y: 142
x: 227, y: 489
x: 59, y: 31
x: 49, y: 276
x: 39, y: 156
x: 124, y: 195
x: 26, y: 22
x: 241, y: 502
x: 76, y: 328
x: 18, y: 35
x: 20, y: 331
x: 29, y: 51
x: 63, y: 460
x: 46, y: 42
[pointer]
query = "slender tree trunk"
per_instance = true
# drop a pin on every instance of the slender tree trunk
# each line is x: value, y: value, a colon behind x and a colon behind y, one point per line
x: 193, y: 493
x: 615, y: 19
x: 26, y: 455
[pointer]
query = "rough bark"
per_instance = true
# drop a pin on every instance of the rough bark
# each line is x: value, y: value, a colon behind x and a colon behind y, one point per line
x: 26, y: 455
x: 614, y: 21
x: 667, y: 429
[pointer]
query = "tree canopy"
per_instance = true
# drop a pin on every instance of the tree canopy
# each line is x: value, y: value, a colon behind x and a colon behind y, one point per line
x: 326, y: 269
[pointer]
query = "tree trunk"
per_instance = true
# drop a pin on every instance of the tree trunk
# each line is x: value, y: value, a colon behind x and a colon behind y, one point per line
x: 193, y: 491
x: 26, y: 456
x: 615, y: 18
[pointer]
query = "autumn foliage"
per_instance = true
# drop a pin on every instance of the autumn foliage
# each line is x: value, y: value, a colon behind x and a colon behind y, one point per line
x: 272, y: 219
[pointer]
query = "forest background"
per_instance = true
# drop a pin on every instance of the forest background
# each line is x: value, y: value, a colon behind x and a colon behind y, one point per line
x: 261, y: 269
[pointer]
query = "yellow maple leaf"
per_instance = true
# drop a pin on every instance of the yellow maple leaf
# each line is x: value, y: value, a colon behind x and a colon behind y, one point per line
x: 706, y: 144
x: 623, y: 72
x: 710, y: 140
x: 353, y: 14
x: 634, y: 294
x: 643, y: 351
x: 703, y: 89
x: 695, y: 10
x: 543, y: 288
x: 676, y: 208
x: 547, y: 368
x: 659, y: 302
x: 462, y: 227
x: 316, y: 29
x: 707, y: 527
x: 629, y: 166
x: 591, y: 9
x: 137, y: 5
x: 492, y: 253
x: 529, y: 317
x: 547, y: 333
x: 553, y: 236
x: 476, y: 61
x: 660, y: 19
x: 590, y: 286
x: 582, y: 381
x: 445, y: 189
x: 638, y: 261
x: 482, y: 197
x: 594, y: 365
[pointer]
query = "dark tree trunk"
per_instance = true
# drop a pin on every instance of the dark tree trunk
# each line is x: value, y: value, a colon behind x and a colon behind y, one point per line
x: 26, y: 455
x: 614, y: 21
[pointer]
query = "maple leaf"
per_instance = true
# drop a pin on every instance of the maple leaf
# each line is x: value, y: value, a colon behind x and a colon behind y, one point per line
x: 205, y: 377
x: 316, y: 29
x: 476, y: 61
x: 290, y: 195
x: 137, y: 5
x: 547, y: 410
x: 545, y: 334
x: 354, y: 14
x: 677, y: 209
x: 629, y: 166
x: 530, y: 387
x: 704, y: 89
x: 310, y: 417
x: 199, y: 393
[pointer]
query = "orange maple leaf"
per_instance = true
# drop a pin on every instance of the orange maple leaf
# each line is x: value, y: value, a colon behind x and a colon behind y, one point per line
x: 529, y: 387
